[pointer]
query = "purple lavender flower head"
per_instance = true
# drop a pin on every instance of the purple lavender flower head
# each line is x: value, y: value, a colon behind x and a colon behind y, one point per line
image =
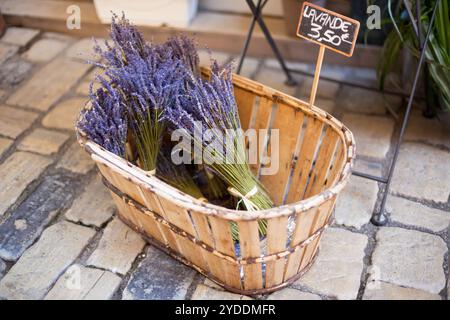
x: 210, y: 102
x: 104, y: 122
x: 184, y: 49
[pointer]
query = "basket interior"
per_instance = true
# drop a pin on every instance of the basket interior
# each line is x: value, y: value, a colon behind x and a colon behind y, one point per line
x: 311, y: 149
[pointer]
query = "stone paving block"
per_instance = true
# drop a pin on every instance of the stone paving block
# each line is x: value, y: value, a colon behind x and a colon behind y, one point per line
x: 57, y: 36
x: 332, y: 71
x: 94, y: 206
x: 81, y: 283
x: 158, y: 277
x: 19, y: 36
x: 386, y: 291
x: 83, y: 50
x: 65, y: 114
x: 3, y: 94
x: 118, y: 248
x: 2, y: 268
x: 212, y: 284
x: 275, y: 79
x: 415, y: 214
x: 49, y: 84
x: 356, y: 202
x: 422, y: 172
x: 7, y: 51
x: 325, y: 104
x: 372, y: 134
x: 40, y: 266
x: 28, y: 220
x: 430, y: 131
x: 43, y: 141
x: 365, y: 101
x: 203, y: 292
x: 93, y: 73
x: 14, y: 72
x: 363, y: 76
x: 326, y: 89
x: 20, y: 169
x: 77, y: 160
x: 5, y: 143
x: 292, y: 294
x: 15, y: 121
x: 206, y: 55
x: 409, y: 258
x: 249, y: 67
x: 370, y: 167
x: 337, y: 270
x: 44, y: 50
x: 274, y: 64
x: 84, y: 87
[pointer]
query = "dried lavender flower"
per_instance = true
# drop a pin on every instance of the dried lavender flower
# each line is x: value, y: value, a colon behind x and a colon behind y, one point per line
x: 104, y: 122
x: 184, y: 49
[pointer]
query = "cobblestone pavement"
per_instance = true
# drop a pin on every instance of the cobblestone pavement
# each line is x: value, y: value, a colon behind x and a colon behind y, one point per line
x: 57, y: 221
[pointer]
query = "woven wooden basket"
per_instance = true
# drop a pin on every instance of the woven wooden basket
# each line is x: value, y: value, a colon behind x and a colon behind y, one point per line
x: 316, y: 156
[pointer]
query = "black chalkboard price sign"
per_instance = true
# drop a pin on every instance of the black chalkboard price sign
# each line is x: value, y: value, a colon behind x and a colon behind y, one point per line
x: 328, y: 28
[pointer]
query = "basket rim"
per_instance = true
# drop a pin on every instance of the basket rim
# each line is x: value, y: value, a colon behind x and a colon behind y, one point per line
x: 152, y: 183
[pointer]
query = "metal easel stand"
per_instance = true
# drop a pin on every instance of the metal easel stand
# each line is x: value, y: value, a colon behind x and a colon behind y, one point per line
x: 380, y: 218
x: 256, y: 12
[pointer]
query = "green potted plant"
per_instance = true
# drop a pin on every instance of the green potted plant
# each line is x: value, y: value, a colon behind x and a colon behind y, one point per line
x: 402, y: 37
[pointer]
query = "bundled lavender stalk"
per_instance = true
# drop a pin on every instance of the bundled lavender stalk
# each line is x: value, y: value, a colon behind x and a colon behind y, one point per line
x: 176, y: 176
x: 210, y: 106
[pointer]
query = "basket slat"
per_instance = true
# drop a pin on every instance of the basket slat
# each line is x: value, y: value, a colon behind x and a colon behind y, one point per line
x: 204, y: 234
x: 321, y: 218
x: 245, y: 101
x: 289, y: 122
x: 305, y: 159
x: 250, y: 248
x: 223, y: 242
x: 120, y: 182
x: 152, y: 201
x: 337, y: 164
x: 191, y: 252
x: 124, y: 209
x: 179, y: 217
x: 323, y: 161
x: 303, y: 226
x: 261, y: 121
x: 276, y: 242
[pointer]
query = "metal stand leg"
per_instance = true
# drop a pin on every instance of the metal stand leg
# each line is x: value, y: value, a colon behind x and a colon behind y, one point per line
x: 380, y: 218
x: 256, y: 12
x: 259, y: 7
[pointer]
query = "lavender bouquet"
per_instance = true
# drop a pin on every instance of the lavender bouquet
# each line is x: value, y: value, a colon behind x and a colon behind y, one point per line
x: 149, y: 77
x: 208, y: 107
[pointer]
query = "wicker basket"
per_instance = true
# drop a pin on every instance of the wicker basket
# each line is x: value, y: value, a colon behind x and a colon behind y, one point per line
x: 198, y: 234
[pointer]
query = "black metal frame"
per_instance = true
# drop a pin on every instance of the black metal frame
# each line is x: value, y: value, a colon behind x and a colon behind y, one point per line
x: 380, y: 217
x: 257, y: 17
